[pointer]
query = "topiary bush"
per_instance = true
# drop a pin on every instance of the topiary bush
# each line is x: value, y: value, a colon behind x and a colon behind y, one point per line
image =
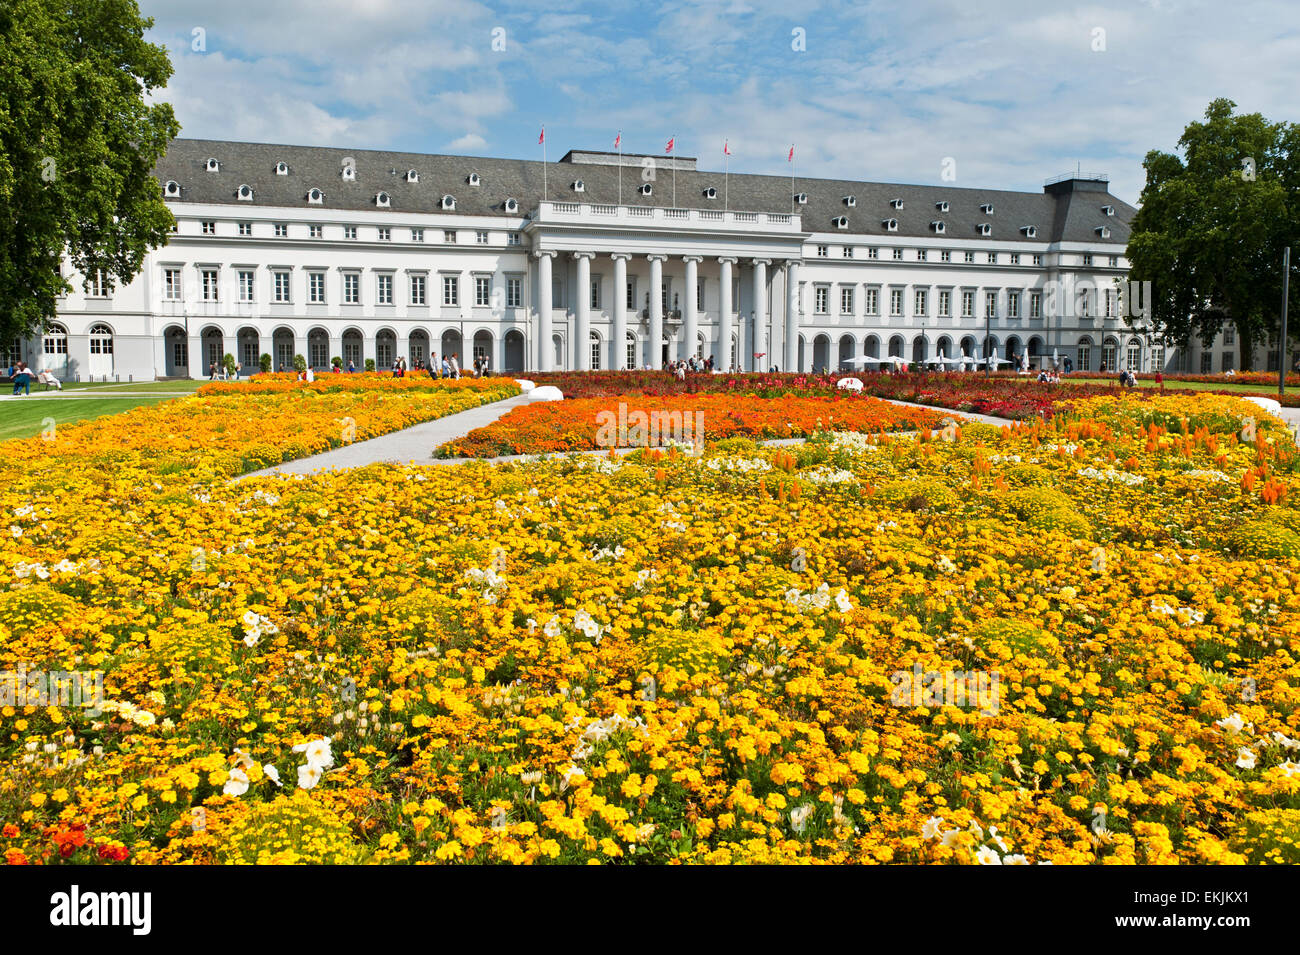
x: 918, y: 495
x: 1062, y: 520
x: 1264, y: 538
x: 1027, y: 501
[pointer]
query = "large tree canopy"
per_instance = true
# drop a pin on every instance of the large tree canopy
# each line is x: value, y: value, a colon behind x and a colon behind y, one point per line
x: 77, y: 144
x: 1212, y: 225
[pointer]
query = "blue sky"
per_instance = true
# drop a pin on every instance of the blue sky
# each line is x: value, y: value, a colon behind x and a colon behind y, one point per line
x: 1002, y: 93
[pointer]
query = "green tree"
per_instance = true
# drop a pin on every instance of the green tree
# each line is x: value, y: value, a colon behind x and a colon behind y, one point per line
x: 265, y: 362
x: 77, y: 143
x: 1211, y: 227
x: 299, y: 364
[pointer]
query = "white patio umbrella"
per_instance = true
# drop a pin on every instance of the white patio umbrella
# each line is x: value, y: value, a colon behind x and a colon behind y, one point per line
x: 1056, y: 359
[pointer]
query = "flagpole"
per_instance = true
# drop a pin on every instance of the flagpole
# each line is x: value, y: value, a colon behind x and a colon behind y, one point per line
x: 620, y: 167
x: 674, y: 172
x: 792, y: 179
x: 726, y: 175
x: 543, y: 164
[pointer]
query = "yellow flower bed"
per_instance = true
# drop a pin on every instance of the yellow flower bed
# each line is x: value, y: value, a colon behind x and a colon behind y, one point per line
x: 857, y: 650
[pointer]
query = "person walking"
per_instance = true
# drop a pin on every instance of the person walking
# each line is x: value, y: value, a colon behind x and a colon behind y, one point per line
x: 446, y: 367
x: 455, y: 367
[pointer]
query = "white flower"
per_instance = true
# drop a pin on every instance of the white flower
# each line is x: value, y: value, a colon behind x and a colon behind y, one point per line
x: 272, y: 774
x: 842, y: 601
x: 16, y: 530
x: 932, y: 827
x: 1285, y: 741
x: 585, y: 624
x: 552, y: 628
x: 237, y: 784
x: 317, y: 753
x: 1245, y: 758
x: 1015, y: 860
x: 993, y: 834
x: 308, y: 776
x: 799, y: 817
x: 1233, y: 724
x: 987, y: 856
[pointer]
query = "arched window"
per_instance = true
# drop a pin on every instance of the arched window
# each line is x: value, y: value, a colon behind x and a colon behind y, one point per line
x: 56, y: 340
x: 101, y: 340
x: 595, y: 352
x: 1085, y: 354
x: 631, y: 350
x: 1133, y: 356
x: 1109, y: 350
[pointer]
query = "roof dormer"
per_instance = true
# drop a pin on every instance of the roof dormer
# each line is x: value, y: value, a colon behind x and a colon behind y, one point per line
x: 938, y: 226
x: 986, y: 208
x: 383, y: 200
x: 645, y: 189
x: 473, y: 179
x: 1103, y: 231
x: 172, y: 189
x: 1030, y: 231
x: 448, y: 203
x: 244, y: 193
x: 579, y: 186
x: 1108, y: 210
x: 412, y: 176
x: 890, y: 225
x: 984, y: 229
x: 315, y: 197
x: 942, y: 205
x: 511, y: 205
x: 896, y: 203
x: 841, y: 222
x: 282, y: 168
x: 801, y: 198
x: 850, y: 201
x: 710, y: 193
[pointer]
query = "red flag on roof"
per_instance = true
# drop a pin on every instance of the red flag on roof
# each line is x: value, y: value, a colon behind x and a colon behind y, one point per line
x: 790, y: 158
x: 725, y: 150
x: 669, y: 147
x: 542, y: 138
x: 618, y: 140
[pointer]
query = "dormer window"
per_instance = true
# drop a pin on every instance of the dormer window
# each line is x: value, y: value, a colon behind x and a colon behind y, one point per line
x: 579, y: 186
x: 942, y: 205
x: 984, y: 229
x: 1103, y: 231
x: 850, y: 201
x: 987, y: 208
x: 315, y: 197
x: 349, y: 173
x: 1030, y: 231
x: 801, y: 198
x: 382, y: 200
x: 1109, y: 210
x: 473, y: 179
x: 938, y: 226
x: 511, y: 205
x: 896, y: 203
x: 412, y: 176
x: 212, y: 166
x: 891, y: 225
x: 710, y: 193
x: 841, y: 222
x: 172, y: 189
x: 282, y: 168
x: 646, y: 189
x: 245, y: 193
x: 448, y: 202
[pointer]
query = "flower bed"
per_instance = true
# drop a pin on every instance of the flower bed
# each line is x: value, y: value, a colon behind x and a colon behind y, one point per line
x: 750, y: 657
x: 576, y: 425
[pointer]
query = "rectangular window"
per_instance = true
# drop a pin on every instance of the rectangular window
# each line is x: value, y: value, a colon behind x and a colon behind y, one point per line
x: 1114, y: 261
x: 97, y: 284
x: 282, y: 287
x: 245, y: 286
x: 1038, y: 259
x: 209, y: 285
x: 450, y: 290
x: 631, y: 294
x: 172, y: 284
x: 318, y: 352
x: 514, y: 293
x: 316, y: 288
x: 595, y: 355
x: 1087, y: 259
x: 898, y: 255
x: 417, y: 235
x: 1013, y: 305
x: 847, y: 252
x: 922, y: 300
x: 384, y: 234
x: 1207, y: 363
x: 1108, y: 357
x: 945, y: 303
x: 514, y: 238
x: 968, y: 257
x: 945, y: 255
x: 245, y: 228
x: 1085, y: 302
x: 595, y: 294
x: 209, y: 227
x: 180, y: 354
x: 418, y: 283
x: 993, y: 258
x: 921, y: 255
x: 281, y: 230
x: 699, y: 295
x: 349, y: 232
x: 1229, y: 335
x: 967, y: 304
x: 1035, y: 304
x: 1085, y: 356
x: 873, y: 253
x: 823, y: 251
x: 873, y: 301
x: 821, y: 299
x: 449, y: 236
x: 1110, y: 303
x: 1015, y: 258
x: 481, y: 237
x: 1133, y: 357
x: 316, y: 231
x: 384, y: 289
x: 991, y: 304
x: 482, y: 290
x: 895, y: 301
x: 846, y: 301
x: 351, y: 288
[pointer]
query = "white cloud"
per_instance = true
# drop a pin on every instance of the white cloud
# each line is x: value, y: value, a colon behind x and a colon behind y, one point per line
x: 468, y: 141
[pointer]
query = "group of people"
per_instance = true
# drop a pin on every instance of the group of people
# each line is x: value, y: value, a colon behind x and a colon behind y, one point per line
x: 679, y: 367
x: 1049, y: 376
x: 218, y: 372
x: 21, y: 375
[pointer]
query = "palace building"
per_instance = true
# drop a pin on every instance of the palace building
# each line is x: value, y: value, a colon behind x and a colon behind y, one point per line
x: 598, y: 261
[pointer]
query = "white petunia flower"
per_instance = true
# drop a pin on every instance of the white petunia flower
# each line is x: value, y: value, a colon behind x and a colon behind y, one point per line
x: 1245, y: 758
x: 308, y: 776
x: 237, y: 784
x: 987, y: 856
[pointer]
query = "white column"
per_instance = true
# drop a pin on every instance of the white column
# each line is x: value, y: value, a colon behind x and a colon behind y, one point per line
x: 760, y: 315
x: 582, y: 313
x: 723, y: 361
x: 690, y: 320
x: 545, y: 348
x: 792, y: 316
x: 656, y: 310
x: 618, y: 349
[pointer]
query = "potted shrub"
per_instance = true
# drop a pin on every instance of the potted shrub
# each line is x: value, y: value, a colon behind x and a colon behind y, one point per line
x: 299, y: 364
x: 265, y: 363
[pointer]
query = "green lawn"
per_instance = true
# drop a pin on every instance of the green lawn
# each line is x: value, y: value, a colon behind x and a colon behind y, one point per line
x: 1270, y: 389
x: 132, y: 387
x: 26, y: 417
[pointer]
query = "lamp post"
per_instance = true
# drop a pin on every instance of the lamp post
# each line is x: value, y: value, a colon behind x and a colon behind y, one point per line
x: 1281, y: 345
x: 987, y: 354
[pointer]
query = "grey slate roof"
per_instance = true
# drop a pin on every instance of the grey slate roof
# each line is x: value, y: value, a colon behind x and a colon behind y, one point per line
x: 1070, y: 212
